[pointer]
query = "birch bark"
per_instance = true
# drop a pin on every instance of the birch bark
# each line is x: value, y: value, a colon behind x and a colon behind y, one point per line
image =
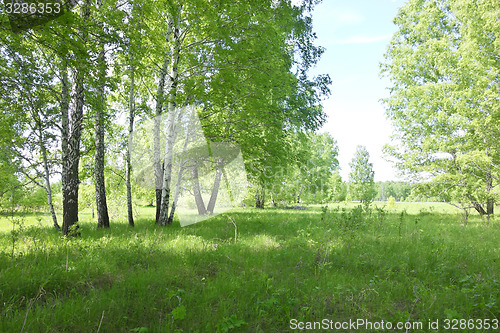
x: 131, y: 115
x: 100, y: 187
x: 171, y: 116
x: 182, y: 163
x: 157, y: 163
x: 71, y: 158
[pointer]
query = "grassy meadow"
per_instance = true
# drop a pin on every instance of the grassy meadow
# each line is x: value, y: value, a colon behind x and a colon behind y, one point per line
x: 251, y: 270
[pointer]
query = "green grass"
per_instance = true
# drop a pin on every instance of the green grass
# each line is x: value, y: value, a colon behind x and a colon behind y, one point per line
x: 276, y: 266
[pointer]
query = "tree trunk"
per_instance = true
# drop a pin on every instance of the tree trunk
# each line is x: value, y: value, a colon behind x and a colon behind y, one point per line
x: 157, y: 164
x: 275, y: 204
x: 72, y: 158
x: 490, y: 202
x: 131, y: 109
x: 48, y: 189
x: 197, y: 192
x: 158, y: 204
x: 479, y: 208
x: 158, y: 167
x: 100, y: 188
x: 64, y: 127
x: 220, y: 171
x: 46, y: 170
x: 490, y: 206
x: 466, y: 211
x: 167, y: 170
x: 260, y: 196
x: 228, y: 187
x: 215, y: 188
x: 176, y: 195
x: 180, y: 170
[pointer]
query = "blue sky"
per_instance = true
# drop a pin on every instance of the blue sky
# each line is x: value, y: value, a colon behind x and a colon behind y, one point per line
x: 355, y: 35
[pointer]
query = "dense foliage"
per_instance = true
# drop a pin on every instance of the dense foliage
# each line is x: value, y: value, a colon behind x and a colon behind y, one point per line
x: 444, y: 68
x: 68, y: 84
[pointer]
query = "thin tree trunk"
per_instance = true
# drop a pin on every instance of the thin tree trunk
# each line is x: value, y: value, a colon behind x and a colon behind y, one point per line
x: 228, y: 186
x: 46, y: 171
x: 275, y: 204
x: 157, y: 164
x: 200, y: 205
x: 167, y: 170
x: 479, y: 208
x: 181, y: 169
x: 260, y: 195
x: 177, y: 193
x: 100, y: 187
x: 215, y: 188
x: 46, y: 176
x: 48, y: 189
x: 490, y: 202
x: 490, y: 206
x: 131, y: 108
x: 158, y: 167
x: 64, y: 124
x: 219, y: 171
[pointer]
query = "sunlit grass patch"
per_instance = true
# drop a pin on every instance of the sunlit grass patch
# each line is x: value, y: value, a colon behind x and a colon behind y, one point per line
x: 261, y: 242
x: 189, y: 243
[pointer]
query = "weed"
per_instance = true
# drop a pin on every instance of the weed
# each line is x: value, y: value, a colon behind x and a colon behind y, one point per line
x: 381, y: 214
x: 324, y: 213
x: 350, y: 223
x: 402, y: 219
x: 230, y: 323
x: 16, y: 233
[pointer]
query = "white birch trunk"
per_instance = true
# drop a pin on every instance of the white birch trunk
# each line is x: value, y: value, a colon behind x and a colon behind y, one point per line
x: 168, y: 160
x: 100, y: 187
x: 131, y: 115
x: 46, y: 175
x: 157, y: 165
x: 180, y: 171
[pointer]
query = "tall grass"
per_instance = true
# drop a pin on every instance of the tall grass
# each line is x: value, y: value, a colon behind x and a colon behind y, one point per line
x: 255, y: 275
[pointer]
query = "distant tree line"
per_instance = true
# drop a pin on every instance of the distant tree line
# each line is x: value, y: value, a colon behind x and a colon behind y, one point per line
x: 399, y: 190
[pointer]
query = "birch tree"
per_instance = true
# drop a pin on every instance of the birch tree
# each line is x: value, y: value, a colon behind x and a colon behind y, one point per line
x: 72, y: 128
x: 28, y: 97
